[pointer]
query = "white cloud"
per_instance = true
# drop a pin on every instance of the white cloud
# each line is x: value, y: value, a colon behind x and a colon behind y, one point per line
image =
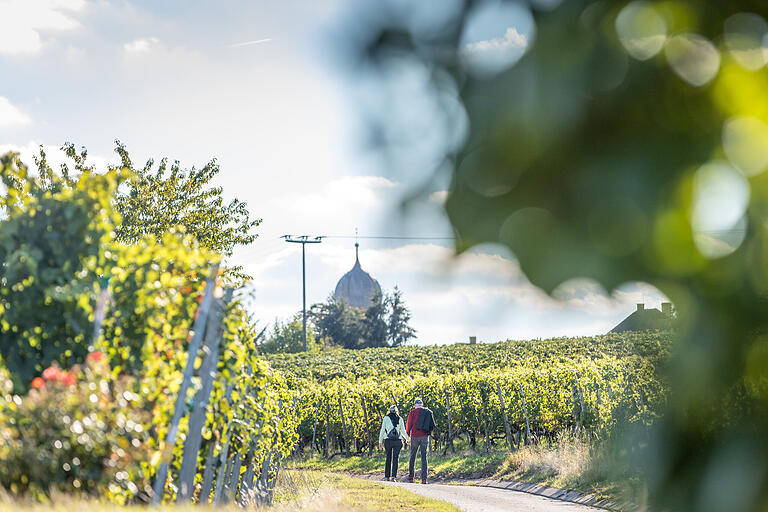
x: 349, y: 197
x: 23, y: 21
x: 142, y: 45
x: 512, y: 39
x: 11, y: 116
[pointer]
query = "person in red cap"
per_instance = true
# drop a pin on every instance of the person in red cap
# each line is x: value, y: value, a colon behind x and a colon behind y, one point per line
x: 419, y: 427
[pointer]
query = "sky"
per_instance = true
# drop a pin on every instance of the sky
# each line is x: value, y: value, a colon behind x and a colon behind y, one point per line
x: 259, y: 86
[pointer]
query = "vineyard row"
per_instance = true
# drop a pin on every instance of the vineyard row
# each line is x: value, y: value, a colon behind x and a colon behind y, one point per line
x: 513, y: 405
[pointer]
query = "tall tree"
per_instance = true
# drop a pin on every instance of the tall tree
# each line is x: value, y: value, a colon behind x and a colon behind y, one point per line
x: 338, y: 323
x: 383, y: 324
x: 399, y: 331
x: 155, y: 199
x: 287, y: 337
x: 158, y: 199
x: 375, y: 322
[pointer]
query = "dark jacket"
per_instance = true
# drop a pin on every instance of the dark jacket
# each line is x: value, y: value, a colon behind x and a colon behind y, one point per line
x: 420, y: 422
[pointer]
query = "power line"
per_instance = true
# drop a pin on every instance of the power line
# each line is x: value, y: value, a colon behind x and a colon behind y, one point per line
x: 392, y: 237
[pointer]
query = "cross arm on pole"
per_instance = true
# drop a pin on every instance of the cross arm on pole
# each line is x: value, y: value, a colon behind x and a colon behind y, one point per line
x: 303, y: 240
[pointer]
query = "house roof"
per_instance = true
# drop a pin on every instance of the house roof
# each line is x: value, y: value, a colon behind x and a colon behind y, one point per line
x: 644, y: 320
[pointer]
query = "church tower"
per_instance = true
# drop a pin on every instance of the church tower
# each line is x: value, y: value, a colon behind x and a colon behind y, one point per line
x: 357, y: 287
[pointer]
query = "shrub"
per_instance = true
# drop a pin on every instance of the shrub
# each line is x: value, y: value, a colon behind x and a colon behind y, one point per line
x: 76, y: 431
x: 50, y: 262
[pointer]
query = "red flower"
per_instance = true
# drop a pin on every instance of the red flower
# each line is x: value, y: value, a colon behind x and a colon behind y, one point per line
x: 38, y: 383
x: 68, y: 378
x: 95, y: 357
x: 52, y: 373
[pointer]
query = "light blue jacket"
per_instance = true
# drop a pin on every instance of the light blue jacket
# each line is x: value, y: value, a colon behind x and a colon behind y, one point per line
x: 387, y: 426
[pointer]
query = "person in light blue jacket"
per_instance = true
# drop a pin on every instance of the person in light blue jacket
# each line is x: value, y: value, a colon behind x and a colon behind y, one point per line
x: 391, y: 438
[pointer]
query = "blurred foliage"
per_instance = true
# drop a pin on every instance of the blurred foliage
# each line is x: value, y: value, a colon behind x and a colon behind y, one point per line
x: 50, y: 263
x: 628, y: 142
x: 78, y: 432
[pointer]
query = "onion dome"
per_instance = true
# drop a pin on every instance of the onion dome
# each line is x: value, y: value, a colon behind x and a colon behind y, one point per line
x: 357, y: 288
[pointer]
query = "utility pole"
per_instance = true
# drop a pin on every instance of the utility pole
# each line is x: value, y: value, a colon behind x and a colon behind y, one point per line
x: 303, y: 240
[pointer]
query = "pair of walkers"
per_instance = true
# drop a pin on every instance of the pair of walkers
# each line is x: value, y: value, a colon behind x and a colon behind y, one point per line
x: 416, y: 431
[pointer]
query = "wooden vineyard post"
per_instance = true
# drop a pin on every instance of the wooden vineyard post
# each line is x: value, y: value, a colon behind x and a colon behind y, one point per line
x: 224, y: 462
x: 223, y: 475
x: 343, y: 429
x: 205, y: 491
x: 213, y: 333
x: 577, y: 417
x: 211, y: 461
x: 264, y: 476
x: 246, y: 485
x: 528, y: 439
x: 230, y: 489
x: 314, y: 430
x: 381, y: 418
x: 270, y: 484
x: 181, y: 401
x: 450, y: 427
x: 295, y: 415
x: 327, y: 426
x: 100, y: 312
x: 507, y: 430
x: 367, y: 428
x: 581, y: 417
x: 485, y: 422
x: 597, y: 413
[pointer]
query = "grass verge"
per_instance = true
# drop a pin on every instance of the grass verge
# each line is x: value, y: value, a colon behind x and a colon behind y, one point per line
x: 338, y: 492
x: 464, y: 464
x: 308, y: 491
x: 568, y: 464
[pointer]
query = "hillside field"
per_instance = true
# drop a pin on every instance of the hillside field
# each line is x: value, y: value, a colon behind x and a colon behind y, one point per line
x: 485, y: 395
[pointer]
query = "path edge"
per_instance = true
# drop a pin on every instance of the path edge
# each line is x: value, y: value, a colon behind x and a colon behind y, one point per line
x: 549, y: 492
x: 529, y: 488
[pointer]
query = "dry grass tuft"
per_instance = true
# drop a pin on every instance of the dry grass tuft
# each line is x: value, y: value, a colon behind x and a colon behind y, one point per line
x: 565, y: 461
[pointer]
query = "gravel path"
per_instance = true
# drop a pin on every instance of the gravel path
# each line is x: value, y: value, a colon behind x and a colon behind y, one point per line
x: 489, y: 499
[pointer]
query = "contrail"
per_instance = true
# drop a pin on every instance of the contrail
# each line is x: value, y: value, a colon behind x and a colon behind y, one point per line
x: 248, y: 43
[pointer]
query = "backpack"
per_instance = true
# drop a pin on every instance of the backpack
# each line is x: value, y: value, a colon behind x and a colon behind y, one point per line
x: 394, y: 434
